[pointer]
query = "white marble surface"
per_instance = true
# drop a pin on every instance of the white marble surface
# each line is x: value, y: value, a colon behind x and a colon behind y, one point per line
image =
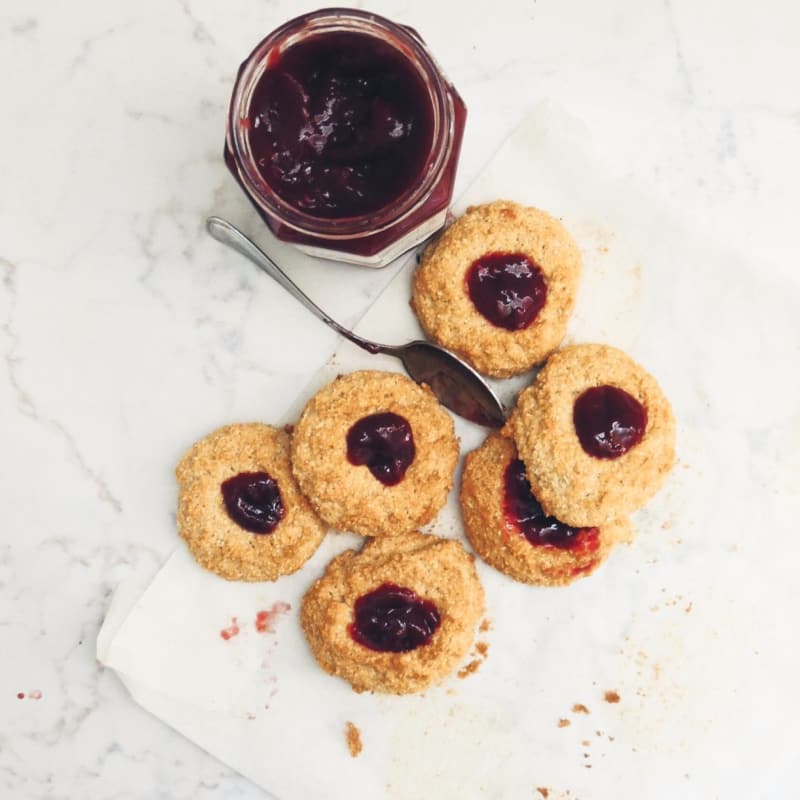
x: 125, y: 331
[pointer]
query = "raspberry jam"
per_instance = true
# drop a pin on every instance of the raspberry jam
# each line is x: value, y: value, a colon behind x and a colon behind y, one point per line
x: 508, y: 289
x: 340, y: 125
x: 524, y: 512
x: 393, y: 619
x: 384, y: 444
x: 253, y: 501
x: 608, y: 421
x: 345, y: 135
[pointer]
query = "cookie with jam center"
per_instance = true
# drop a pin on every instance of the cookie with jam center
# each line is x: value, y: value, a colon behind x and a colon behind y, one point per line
x: 509, y: 530
x: 397, y: 616
x: 596, y: 434
x: 375, y: 453
x: 240, y: 510
x: 498, y: 287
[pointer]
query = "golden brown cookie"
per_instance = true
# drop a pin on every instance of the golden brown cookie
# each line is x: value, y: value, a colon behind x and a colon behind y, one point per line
x: 375, y: 453
x: 596, y: 434
x: 396, y: 616
x: 239, y: 508
x: 499, y: 286
x: 508, y: 529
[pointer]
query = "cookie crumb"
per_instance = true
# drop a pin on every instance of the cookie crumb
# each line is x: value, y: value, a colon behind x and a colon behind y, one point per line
x: 611, y: 697
x: 485, y: 625
x: 689, y: 607
x: 482, y: 648
x: 231, y: 631
x: 580, y: 708
x: 470, y: 668
x: 586, y: 743
x: 564, y: 723
x: 353, y: 735
x: 544, y: 792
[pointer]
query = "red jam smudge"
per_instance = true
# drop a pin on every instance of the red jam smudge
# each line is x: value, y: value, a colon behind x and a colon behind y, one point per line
x: 524, y: 512
x: 608, y: 421
x: 393, y: 619
x: 231, y: 631
x: 253, y: 501
x: 384, y: 444
x: 340, y: 125
x: 508, y: 289
x: 266, y: 620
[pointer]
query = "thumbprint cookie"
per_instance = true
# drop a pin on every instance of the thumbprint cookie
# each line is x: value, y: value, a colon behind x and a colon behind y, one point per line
x: 397, y: 616
x: 240, y: 510
x: 596, y: 434
x: 375, y: 453
x: 499, y: 286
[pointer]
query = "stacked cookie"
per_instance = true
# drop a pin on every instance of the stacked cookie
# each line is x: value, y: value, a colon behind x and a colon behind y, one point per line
x: 589, y: 442
x: 373, y: 453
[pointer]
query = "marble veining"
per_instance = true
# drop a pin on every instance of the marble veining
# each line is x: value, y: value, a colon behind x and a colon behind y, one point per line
x: 126, y: 333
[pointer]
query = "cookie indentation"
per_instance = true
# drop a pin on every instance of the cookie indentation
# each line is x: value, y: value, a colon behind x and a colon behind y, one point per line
x: 394, y: 619
x: 524, y: 512
x: 508, y: 289
x: 253, y: 501
x: 608, y: 421
x: 384, y: 444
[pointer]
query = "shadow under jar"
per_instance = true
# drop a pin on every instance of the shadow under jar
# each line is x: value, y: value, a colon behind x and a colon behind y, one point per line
x: 345, y: 135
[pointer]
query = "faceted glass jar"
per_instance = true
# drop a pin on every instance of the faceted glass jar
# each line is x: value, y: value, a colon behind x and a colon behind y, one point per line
x: 370, y: 239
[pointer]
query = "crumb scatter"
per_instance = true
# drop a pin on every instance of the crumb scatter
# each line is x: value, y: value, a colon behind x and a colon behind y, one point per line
x: 580, y: 708
x: 611, y: 697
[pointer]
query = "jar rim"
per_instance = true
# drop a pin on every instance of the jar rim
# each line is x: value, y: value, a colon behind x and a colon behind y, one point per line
x: 328, y: 20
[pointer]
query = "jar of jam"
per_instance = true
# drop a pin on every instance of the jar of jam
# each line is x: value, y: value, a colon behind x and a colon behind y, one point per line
x: 345, y: 134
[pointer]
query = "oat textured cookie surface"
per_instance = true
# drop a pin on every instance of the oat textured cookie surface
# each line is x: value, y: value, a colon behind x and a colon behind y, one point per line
x: 216, y: 540
x: 349, y: 496
x: 572, y: 485
x: 488, y: 516
x: 446, y: 310
x: 437, y: 570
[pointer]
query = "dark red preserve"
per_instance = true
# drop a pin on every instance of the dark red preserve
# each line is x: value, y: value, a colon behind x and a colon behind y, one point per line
x: 345, y: 135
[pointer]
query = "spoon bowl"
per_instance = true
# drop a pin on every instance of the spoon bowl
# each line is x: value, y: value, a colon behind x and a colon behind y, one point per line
x: 455, y: 383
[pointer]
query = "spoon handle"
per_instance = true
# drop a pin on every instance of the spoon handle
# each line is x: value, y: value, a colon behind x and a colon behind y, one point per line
x: 223, y: 231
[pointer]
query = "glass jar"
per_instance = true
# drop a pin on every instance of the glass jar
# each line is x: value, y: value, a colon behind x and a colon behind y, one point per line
x: 402, y: 163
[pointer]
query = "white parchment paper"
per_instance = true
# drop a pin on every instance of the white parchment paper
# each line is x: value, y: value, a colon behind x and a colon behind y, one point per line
x: 694, y: 625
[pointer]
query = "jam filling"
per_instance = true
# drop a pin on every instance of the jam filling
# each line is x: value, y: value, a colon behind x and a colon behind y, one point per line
x: 524, y: 512
x: 340, y: 125
x: 384, y: 444
x: 608, y: 421
x: 253, y: 501
x: 508, y: 289
x: 393, y: 619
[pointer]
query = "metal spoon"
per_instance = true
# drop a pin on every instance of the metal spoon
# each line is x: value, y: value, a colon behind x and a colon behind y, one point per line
x: 454, y: 382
